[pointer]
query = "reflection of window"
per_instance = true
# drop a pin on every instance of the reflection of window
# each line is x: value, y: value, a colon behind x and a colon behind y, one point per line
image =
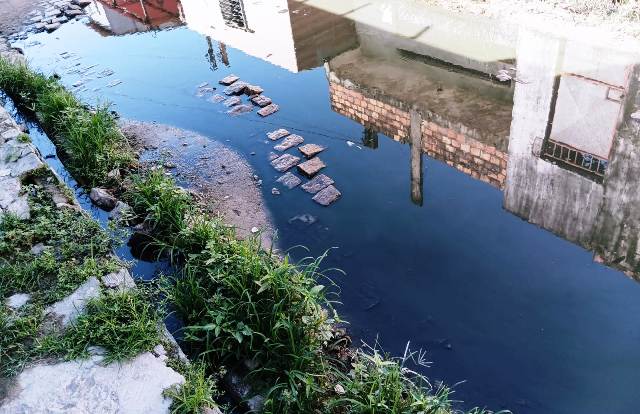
x: 233, y: 13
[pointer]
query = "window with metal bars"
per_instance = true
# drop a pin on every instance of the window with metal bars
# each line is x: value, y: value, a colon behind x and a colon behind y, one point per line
x: 575, y: 159
x: 233, y: 14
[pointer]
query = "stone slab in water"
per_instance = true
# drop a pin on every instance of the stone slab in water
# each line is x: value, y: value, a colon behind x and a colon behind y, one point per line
x: 289, y: 180
x: 261, y: 100
x: 285, y: 162
x: 253, y: 90
x: 311, y: 167
x: 236, y: 88
x: 311, y: 150
x: 317, y: 183
x: 268, y: 110
x: 240, y: 109
x: 289, y: 142
x: 217, y: 98
x: 232, y: 101
x: 327, y: 196
x: 228, y: 80
x: 277, y: 134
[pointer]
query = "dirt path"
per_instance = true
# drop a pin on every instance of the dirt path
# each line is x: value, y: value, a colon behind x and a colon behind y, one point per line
x: 222, y: 180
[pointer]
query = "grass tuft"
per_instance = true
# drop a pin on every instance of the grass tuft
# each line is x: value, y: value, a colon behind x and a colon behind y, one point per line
x: 198, y: 392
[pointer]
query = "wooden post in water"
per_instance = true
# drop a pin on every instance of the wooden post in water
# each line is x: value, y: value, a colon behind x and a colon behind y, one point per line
x: 415, y: 140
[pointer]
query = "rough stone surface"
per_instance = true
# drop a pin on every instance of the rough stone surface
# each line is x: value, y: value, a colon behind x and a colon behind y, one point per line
x: 233, y: 101
x: 236, y: 88
x: 68, y: 309
x: 88, y: 386
x: 240, y: 109
x: 102, y: 198
x: 261, y: 100
x: 217, y: 98
x: 311, y: 167
x: 268, y: 110
x: 311, y: 150
x: 317, y: 183
x: 121, y: 280
x: 119, y: 211
x: 18, y: 300
x: 228, y: 80
x: 277, y: 134
x: 253, y: 90
x: 289, y: 142
x: 289, y: 180
x: 285, y: 162
x: 327, y: 196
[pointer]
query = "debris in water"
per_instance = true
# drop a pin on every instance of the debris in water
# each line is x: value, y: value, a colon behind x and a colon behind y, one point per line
x: 114, y: 83
x: 203, y: 84
x: 305, y: 218
x: 217, y: 98
x: 289, y: 180
x: 311, y: 150
x: 268, y: 110
x: 311, y: 167
x: 200, y: 92
x: 232, y: 102
x: 105, y: 73
x: 228, y: 80
x: 289, y: 142
x: 277, y: 134
x: 253, y: 90
x: 327, y: 196
x: 275, y: 191
x: 318, y: 183
x: 261, y: 100
x: 236, y: 88
x: 240, y: 109
x: 285, y: 162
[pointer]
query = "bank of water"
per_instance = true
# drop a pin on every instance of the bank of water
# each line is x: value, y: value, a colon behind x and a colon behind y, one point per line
x: 527, y: 319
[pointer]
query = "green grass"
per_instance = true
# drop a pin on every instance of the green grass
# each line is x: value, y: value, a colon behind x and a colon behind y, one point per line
x: 123, y: 323
x: 18, y: 339
x: 199, y: 391
x: 91, y: 142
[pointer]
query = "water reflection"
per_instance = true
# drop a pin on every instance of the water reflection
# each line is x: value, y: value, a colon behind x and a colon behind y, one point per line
x: 119, y: 17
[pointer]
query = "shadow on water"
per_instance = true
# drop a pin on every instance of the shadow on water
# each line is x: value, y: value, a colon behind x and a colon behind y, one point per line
x: 448, y: 137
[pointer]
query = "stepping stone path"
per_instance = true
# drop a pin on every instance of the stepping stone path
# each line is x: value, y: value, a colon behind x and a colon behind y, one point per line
x: 319, y: 182
x: 311, y: 167
x: 311, y: 150
x: 240, y: 109
x: 289, y: 142
x: 253, y: 90
x: 277, y: 134
x: 235, y: 88
x: 268, y: 110
x: 228, y: 80
x: 217, y: 98
x: 289, y: 180
x: 261, y: 100
x: 273, y: 156
x: 285, y: 162
x: 327, y: 196
x: 232, y: 102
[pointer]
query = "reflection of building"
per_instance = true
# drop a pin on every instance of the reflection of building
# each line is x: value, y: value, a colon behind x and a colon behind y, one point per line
x: 285, y: 33
x: 118, y: 17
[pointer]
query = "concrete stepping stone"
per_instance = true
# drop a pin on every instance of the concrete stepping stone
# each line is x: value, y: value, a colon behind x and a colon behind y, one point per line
x: 311, y: 167
x: 277, y: 134
x: 233, y: 101
x: 235, y: 88
x: 273, y: 156
x: 268, y: 110
x: 317, y: 183
x: 253, y: 90
x: 228, y: 80
x: 327, y: 196
x: 289, y: 180
x: 204, y: 90
x: 217, y: 98
x: 285, y: 162
x: 289, y: 142
x: 261, y: 100
x: 240, y: 109
x: 311, y: 150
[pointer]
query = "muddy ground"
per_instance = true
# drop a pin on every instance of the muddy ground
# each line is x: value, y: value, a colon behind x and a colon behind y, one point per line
x: 222, y: 180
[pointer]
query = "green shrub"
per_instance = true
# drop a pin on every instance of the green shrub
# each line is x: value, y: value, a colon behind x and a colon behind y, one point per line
x: 198, y: 392
x: 17, y: 341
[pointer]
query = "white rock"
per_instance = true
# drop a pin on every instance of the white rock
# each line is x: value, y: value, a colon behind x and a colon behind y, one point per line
x: 18, y: 300
x: 68, y: 309
x: 87, y: 386
x: 121, y: 280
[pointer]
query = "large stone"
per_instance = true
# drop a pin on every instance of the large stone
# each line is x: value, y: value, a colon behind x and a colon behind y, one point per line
x: 311, y: 167
x: 236, y: 88
x: 268, y: 110
x: 285, y: 162
x: 17, y: 301
x: 233, y: 101
x: 228, y: 80
x: 289, y: 180
x: 89, y: 386
x: 51, y: 27
x: 68, y: 309
x: 317, y: 183
x: 277, y: 134
x: 253, y: 90
x: 261, y: 100
x: 120, y: 211
x: 289, y: 142
x: 25, y: 164
x: 327, y: 196
x: 240, y: 109
x: 102, y: 198
x: 217, y: 98
x: 121, y: 280
x: 311, y: 150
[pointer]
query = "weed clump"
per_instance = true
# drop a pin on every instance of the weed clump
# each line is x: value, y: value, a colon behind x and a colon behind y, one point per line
x: 198, y: 392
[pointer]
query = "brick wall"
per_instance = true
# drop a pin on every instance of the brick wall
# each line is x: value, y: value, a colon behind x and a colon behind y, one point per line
x: 440, y: 140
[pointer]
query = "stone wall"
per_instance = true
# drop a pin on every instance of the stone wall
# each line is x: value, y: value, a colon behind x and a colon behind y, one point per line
x: 445, y: 141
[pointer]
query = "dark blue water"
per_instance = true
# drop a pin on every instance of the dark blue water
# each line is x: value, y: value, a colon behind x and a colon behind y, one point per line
x: 527, y: 319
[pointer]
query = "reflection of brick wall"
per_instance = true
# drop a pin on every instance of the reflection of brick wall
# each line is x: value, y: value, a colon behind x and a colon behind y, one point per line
x: 445, y: 143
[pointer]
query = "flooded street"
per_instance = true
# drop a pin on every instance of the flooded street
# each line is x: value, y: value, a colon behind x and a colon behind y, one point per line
x: 489, y: 173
